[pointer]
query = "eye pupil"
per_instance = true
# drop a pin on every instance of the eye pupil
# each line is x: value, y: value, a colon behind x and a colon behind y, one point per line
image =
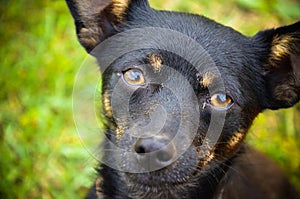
x: 134, y: 77
x: 222, y: 98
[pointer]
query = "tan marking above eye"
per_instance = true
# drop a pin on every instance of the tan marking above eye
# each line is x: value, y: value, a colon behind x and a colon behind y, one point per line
x: 156, y: 62
x: 207, y: 79
x: 220, y: 101
x: 134, y: 77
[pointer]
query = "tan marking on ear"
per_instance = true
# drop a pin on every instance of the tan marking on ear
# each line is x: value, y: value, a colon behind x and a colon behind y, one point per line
x: 282, y: 47
x: 119, y: 132
x: 156, y: 62
x: 84, y: 30
x: 207, y: 79
x: 119, y: 8
x: 107, y: 105
x: 89, y: 37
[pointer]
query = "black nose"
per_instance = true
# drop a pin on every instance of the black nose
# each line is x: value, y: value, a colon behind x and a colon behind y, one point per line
x: 155, y: 151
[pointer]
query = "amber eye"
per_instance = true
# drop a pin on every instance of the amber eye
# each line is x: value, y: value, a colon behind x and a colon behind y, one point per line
x: 134, y: 77
x: 221, y: 101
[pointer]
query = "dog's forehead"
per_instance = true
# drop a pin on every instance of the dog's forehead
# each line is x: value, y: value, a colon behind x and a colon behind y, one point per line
x: 200, y: 28
x: 225, y: 46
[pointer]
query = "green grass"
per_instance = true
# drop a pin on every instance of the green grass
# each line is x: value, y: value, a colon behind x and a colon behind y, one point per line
x: 41, y: 153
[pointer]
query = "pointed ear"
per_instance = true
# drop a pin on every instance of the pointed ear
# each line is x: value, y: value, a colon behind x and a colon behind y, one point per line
x: 282, y: 65
x: 95, y: 20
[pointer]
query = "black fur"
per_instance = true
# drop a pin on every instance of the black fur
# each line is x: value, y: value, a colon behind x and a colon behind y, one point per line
x: 259, y: 72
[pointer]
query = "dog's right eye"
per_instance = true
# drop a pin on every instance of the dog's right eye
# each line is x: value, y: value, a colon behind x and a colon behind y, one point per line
x: 134, y: 77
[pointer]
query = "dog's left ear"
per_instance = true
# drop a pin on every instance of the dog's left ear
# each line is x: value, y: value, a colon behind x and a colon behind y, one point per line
x: 281, y: 65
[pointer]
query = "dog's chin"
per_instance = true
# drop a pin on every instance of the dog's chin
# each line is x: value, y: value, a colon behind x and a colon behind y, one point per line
x: 157, y: 179
x: 169, y: 182
x: 157, y: 184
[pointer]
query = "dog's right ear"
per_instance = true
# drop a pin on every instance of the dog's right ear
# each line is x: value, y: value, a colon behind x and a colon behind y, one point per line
x: 96, y: 20
x: 281, y: 70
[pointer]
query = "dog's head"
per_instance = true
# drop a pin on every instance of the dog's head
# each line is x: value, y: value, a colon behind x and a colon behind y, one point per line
x: 180, y: 91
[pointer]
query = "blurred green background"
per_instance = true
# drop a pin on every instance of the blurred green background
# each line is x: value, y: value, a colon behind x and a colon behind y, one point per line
x: 41, y: 155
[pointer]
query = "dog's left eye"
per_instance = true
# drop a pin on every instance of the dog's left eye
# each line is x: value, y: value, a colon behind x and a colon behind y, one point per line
x: 220, y: 101
x: 134, y: 77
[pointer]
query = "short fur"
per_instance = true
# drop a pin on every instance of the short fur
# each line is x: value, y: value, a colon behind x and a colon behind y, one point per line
x: 259, y: 72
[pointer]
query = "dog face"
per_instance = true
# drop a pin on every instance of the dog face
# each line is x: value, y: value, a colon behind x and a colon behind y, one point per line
x: 183, y: 90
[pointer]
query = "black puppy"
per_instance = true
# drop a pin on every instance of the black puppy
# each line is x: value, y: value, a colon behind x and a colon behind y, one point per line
x: 180, y: 92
